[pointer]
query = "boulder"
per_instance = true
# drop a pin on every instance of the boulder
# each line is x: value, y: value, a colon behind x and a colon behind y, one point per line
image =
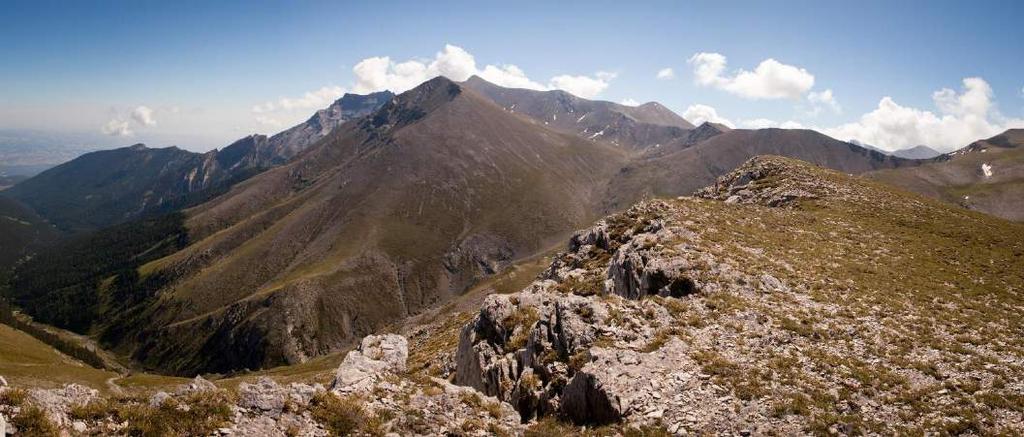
x: 264, y: 396
x: 376, y: 356
x: 390, y: 348
x: 57, y: 403
x: 197, y: 384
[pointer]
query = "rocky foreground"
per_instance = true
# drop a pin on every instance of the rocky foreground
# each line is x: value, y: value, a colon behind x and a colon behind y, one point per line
x: 785, y: 299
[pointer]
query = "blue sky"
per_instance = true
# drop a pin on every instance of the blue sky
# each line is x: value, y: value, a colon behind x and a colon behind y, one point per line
x: 204, y: 71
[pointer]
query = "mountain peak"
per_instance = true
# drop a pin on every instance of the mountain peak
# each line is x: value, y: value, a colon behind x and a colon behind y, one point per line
x: 416, y: 103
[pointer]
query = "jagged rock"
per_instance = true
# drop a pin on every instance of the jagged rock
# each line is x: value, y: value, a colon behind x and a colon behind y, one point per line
x: 757, y: 181
x: 635, y: 272
x: 376, y: 356
x: 586, y: 400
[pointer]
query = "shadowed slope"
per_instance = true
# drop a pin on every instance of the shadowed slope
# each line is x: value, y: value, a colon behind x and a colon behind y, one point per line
x: 103, y: 188
x: 633, y: 128
x: 385, y: 217
x: 961, y: 177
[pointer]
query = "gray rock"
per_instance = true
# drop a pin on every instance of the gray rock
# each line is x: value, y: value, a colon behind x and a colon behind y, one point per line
x: 390, y: 348
x: 265, y: 396
x: 377, y: 356
x: 197, y: 384
x: 158, y: 398
x: 587, y: 400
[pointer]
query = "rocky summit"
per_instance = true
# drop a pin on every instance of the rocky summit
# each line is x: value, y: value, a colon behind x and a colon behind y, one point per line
x: 783, y: 299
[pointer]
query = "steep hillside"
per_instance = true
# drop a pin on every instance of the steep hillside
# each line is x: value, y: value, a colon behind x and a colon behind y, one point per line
x: 785, y: 299
x: 987, y: 176
x: 103, y: 188
x: 633, y: 128
x: 681, y: 170
x: 21, y: 231
x: 415, y: 202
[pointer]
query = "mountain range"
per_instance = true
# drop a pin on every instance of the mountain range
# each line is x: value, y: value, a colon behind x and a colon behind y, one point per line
x: 99, y: 189
x: 369, y: 222
x: 987, y: 175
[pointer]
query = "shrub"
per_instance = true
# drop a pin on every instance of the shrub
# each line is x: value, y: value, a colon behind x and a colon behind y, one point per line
x: 340, y: 416
x: 32, y: 421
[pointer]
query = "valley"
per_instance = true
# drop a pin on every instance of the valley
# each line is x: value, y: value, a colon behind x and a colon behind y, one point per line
x: 404, y: 251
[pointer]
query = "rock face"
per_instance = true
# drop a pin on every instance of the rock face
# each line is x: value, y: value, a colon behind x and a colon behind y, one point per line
x: 738, y: 312
x: 376, y: 357
x: 546, y: 350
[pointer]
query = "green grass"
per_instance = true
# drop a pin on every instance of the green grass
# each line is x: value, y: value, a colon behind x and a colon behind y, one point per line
x: 28, y: 362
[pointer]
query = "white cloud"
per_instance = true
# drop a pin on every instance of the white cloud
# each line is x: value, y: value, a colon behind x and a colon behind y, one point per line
x: 629, y: 102
x: 144, y: 116
x: 316, y: 99
x: 758, y: 123
x: 382, y: 73
x: 121, y: 124
x: 117, y: 128
x: 583, y: 86
x: 698, y: 114
x: 823, y: 98
x: 771, y: 79
x: 666, y: 74
x: 267, y: 121
x: 509, y: 76
x: 963, y: 118
x: 764, y: 123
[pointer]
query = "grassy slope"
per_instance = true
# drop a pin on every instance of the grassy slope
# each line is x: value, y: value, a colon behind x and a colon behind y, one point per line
x: 899, y: 304
x: 369, y: 209
x: 903, y: 312
x: 25, y: 361
x: 960, y: 180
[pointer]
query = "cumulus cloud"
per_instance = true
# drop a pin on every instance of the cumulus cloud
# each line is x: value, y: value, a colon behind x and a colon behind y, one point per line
x: 962, y: 117
x: 382, y: 73
x: 771, y: 79
x: 698, y: 114
x: 122, y: 122
x: 583, y: 86
x: 316, y: 99
x: 821, y: 99
x: 143, y: 115
x: 629, y: 102
x: 268, y: 121
x: 666, y: 74
x: 764, y: 123
x: 509, y: 76
x: 117, y: 128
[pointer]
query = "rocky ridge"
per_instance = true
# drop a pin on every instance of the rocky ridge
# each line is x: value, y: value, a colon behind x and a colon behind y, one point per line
x: 783, y: 299
x: 654, y: 319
